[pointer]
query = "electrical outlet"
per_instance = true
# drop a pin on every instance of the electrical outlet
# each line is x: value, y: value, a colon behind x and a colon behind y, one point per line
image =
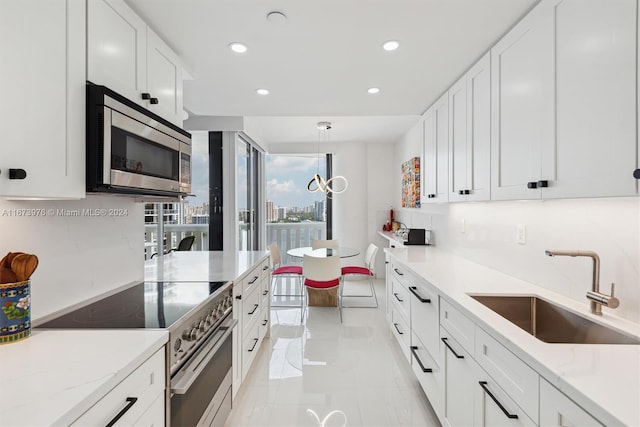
x: 521, y: 234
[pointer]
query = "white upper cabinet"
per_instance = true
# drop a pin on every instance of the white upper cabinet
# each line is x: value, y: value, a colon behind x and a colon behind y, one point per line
x: 470, y: 134
x: 563, y: 115
x: 129, y: 58
x: 435, y: 152
x: 42, y: 50
x: 164, y: 79
x: 522, y: 105
x: 595, y: 145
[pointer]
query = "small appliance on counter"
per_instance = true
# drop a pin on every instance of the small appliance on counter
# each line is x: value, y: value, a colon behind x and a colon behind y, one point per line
x: 418, y: 236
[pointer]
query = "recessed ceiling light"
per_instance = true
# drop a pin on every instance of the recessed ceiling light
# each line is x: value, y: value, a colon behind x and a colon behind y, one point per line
x: 390, y: 45
x: 373, y: 90
x: 262, y: 91
x: 276, y: 17
x: 237, y: 47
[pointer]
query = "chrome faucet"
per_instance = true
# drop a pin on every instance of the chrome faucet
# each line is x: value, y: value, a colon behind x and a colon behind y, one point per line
x: 596, y: 298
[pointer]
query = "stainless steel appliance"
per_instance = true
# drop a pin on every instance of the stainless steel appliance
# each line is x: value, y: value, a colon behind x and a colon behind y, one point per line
x: 131, y: 150
x: 198, y: 317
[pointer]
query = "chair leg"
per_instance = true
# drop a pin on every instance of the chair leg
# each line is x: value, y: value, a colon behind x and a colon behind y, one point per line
x: 275, y: 283
x: 373, y: 294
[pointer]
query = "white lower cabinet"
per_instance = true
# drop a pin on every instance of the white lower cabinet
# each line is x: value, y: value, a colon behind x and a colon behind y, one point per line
x: 459, y: 371
x: 494, y: 407
x: 556, y: 409
x: 469, y: 377
x: 137, y: 400
x: 251, y: 308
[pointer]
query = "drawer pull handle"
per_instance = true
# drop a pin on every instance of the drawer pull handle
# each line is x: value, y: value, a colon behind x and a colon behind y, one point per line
x: 483, y: 384
x: 395, y: 325
x: 255, y: 307
x: 255, y: 343
x: 396, y: 295
x: 265, y: 292
x: 254, y: 280
x: 414, y: 291
x: 265, y: 322
x: 415, y: 354
x: 459, y: 356
x: 265, y: 267
x: 132, y: 401
x: 398, y: 271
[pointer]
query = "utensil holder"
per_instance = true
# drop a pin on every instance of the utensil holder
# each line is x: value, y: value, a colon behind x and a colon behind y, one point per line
x: 15, y: 311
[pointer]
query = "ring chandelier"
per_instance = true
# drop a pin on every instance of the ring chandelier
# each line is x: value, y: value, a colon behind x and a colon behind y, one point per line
x: 318, y: 183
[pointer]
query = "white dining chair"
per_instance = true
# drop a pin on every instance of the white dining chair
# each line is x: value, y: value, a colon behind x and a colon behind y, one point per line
x: 322, y: 274
x: 367, y: 270
x: 279, y: 271
x: 318, y: 244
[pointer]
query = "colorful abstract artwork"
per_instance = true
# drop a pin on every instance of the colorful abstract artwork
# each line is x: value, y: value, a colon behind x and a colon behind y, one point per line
x: 411, y: 183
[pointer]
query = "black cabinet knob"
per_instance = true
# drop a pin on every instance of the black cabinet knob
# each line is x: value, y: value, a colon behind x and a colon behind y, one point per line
x: 532, y: 184
x: 460, y: 192
x: 466, y: 192
x: 636, y: 174
x: 17, y: 174
x: 543, y: 183
x: 146, y: 96
x: 153, y: 101
x: 431, y: 196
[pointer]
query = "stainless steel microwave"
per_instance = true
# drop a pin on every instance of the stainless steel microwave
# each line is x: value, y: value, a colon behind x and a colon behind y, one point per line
x: 131, y: 150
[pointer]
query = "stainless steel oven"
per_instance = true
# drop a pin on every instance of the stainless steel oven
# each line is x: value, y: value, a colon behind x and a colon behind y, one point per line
x: 201, y: 389
x: 130, y: 150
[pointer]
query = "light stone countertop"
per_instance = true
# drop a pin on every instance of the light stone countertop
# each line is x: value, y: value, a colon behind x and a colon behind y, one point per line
x: 194, y: 266
x: 603, y: 379
x: 54, y: 376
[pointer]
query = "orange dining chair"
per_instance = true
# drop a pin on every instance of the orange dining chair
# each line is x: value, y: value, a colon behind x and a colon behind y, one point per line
x: 280, y: 271
x: 368, y: 270
x: 322, y: 274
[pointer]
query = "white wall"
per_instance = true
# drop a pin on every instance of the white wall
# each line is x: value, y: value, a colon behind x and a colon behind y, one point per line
x: 79, y: 256
x: 486, y: 233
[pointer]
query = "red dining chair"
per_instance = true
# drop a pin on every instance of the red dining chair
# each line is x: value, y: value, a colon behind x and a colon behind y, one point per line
x: 279, y: 271
x: 321, y: 274
x: 368, y: 270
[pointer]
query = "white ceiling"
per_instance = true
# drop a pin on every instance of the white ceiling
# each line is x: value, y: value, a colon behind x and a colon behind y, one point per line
x: 319, y: 64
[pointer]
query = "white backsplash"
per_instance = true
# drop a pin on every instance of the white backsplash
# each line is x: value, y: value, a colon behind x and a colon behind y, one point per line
x: 486, y: 233
x: 85, y: 247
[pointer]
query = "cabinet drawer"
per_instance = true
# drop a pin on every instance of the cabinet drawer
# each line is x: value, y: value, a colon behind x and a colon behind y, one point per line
x: 250, y: 308
x: 458, y: 325
x: 154, y: 416
x: 424, y: 315
x: 250, y: 346
x: 252, y: 280
x: 494, y: 407
x: 145, y: 384
x: 514, y: 376
x: 400, y: 297
x: 431, y: 381
x: 400, y: 329
x: 398, y: 270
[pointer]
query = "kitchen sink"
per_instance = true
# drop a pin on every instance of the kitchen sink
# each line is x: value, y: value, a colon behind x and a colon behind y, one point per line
x: 550, y: 322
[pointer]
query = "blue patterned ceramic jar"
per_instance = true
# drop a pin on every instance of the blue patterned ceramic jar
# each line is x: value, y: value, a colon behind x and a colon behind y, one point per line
x: 15, y: 312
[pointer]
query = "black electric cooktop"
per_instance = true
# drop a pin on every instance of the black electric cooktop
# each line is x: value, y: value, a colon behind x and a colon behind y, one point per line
x: 145, y: 305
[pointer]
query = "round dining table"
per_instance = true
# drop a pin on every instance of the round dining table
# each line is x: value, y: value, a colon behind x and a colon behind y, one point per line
x: 342, y: 251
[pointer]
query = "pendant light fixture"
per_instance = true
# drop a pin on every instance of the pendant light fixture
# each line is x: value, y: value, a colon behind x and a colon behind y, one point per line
x: 318, y: 183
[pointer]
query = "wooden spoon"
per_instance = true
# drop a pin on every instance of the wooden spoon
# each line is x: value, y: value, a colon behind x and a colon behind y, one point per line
x: 24, y: 265
x: 6, y: 261
x: 7, y: 275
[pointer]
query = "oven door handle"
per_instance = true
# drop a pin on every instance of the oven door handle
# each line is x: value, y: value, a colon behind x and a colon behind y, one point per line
x: 200, y: 361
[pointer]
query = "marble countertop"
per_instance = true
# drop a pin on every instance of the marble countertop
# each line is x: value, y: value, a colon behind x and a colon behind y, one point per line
x: 603, y: 379
x: 201, y: 266
x: 53, y: 377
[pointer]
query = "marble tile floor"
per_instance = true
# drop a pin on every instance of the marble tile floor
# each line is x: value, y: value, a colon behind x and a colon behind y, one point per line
x: 325, y: 373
